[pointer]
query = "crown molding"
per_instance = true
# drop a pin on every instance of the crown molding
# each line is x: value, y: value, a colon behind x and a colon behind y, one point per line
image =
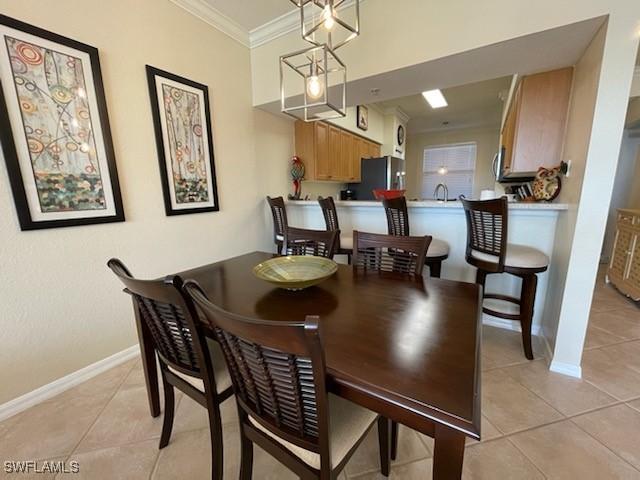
x: 215, y: 18
x: 282, y: 25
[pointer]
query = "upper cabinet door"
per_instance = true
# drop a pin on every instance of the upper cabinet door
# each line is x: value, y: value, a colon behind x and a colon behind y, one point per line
x: 534, y: 130
x: 322, y: 164
x: 346, y: 165
x: 335, y: 149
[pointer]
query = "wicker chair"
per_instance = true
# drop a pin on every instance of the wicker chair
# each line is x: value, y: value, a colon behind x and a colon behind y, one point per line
x: 489, y: 251
x: 300, y: 241
x: 280, y: 223
x: 398, y: 224
x: 344, y: 243
x: 279, y: 376
x: 188, y: 361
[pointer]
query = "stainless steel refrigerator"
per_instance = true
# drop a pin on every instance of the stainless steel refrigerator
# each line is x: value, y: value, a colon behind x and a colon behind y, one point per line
x: 387, y: 173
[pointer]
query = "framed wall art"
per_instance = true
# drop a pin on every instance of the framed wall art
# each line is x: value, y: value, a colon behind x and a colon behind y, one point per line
x: 55, y: 130
x: 363, y: 117
x: 181, y: 118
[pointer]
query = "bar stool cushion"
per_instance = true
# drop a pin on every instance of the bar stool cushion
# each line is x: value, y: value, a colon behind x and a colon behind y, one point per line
x: 438, y: 248
x: 280, y: 238
x: 347, y: 423
x: 346, y: 242
x: 223, y: 380
x: 518, y: 256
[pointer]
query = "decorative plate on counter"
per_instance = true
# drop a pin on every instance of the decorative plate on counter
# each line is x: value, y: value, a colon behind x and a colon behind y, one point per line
x: 547, y: 184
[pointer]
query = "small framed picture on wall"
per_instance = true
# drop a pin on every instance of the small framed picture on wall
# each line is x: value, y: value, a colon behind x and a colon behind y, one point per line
x: 55, y: 130
x: 181, y: 118
x: 363, y: 117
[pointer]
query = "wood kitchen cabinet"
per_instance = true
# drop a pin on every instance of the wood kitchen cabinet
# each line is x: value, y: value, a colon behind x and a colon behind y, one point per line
x: 534, y: 128
x: 330, y: 153
x: 624, y: 266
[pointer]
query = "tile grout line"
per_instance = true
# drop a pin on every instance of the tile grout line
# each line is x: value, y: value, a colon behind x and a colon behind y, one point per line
x: 605, y: 446
x: 535, y: 465
x: 115, y: 391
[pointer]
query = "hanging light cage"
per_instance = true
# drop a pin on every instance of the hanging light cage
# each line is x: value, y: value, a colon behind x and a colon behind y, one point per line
x: 296, y: 70
x: 314, y: 16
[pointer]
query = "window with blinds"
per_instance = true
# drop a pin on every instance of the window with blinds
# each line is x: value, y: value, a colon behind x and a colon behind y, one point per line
x: 454, y: 165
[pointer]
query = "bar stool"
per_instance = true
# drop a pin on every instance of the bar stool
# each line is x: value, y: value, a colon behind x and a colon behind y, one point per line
x: 398, y: 224
x: 344, y: 242
x: 488, y: 250
x: 280, y: 222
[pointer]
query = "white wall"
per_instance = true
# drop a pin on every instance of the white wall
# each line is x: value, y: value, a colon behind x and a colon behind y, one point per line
x: 596, y: 120
x: 62, y: 309
x: 486, y: 138
x: 626, y: 188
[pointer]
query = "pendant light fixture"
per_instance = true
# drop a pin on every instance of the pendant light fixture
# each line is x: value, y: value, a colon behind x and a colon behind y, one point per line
x: 323, y: 74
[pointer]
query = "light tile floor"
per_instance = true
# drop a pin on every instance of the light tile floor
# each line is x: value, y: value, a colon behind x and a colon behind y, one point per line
x: 535, y: 425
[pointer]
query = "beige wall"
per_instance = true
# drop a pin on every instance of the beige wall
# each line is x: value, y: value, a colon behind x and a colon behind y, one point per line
x: 487, y: 140
x: 376, y: 124
x: 634, y: 194
x: 62, y: 309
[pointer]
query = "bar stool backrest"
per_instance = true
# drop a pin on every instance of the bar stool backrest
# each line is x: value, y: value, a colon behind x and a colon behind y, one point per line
x: 486, y: 233
x: 397, y: 216
x: 279, y: 213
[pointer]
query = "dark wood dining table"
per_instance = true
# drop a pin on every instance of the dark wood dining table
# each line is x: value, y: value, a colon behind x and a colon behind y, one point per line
x: 408, y: 348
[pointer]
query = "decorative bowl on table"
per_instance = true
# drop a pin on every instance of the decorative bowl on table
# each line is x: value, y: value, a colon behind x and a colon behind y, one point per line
x: 295, y: 272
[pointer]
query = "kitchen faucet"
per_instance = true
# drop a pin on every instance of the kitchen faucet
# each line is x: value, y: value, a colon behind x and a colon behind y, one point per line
x: 437, y: 191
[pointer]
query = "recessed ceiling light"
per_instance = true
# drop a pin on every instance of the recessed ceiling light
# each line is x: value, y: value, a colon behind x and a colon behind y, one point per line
x: 435, y: 98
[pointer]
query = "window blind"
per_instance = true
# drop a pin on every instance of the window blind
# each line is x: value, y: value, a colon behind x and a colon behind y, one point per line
x: 460, y: 162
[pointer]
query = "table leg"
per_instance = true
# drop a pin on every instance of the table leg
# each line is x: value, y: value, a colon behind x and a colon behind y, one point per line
x: 148, y: 354
x: 448, y: 454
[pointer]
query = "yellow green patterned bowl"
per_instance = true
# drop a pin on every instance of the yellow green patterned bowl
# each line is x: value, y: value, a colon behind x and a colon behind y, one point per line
x: 295, y: 272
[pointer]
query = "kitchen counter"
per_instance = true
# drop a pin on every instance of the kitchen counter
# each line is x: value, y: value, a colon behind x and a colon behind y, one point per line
x: 433, y: 204
x: 532, y: 224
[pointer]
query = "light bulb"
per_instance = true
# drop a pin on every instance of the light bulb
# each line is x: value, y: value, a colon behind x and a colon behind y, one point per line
x: 443, y: 170
x: 315, y: 88
x: 327, y: 16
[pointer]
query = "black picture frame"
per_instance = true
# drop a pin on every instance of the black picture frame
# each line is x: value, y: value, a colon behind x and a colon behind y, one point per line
x: 362, y: 117
x: 10, y: 150
x: 170, y: 210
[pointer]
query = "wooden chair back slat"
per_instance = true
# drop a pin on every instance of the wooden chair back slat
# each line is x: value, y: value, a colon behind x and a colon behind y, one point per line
x: 277, y: 369
x: 165, y: 313
x: 301, y: 241
x: 487, y: 232
x: 390, y: 253
x: 279, y: 213
x: 329, y: 212
x: 397, y: 216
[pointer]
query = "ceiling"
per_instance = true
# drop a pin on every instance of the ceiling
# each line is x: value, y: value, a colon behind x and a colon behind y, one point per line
x: 250, y: 14
x: 472, y: 105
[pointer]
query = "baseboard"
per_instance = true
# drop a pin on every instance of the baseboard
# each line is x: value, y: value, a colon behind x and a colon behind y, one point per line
x: 508, y: 324
x: 39, y: 395
x: 566, y: 369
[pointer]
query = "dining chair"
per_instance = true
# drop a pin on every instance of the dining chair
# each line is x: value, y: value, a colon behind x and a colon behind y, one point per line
x: 390, y: 253
x: 398, y: 224
x: 279, y: 375
x: 302, y: 241
x: 344, y: 244
x: 488, y: 250
x: 280, y: 223
x: 188, y: 360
